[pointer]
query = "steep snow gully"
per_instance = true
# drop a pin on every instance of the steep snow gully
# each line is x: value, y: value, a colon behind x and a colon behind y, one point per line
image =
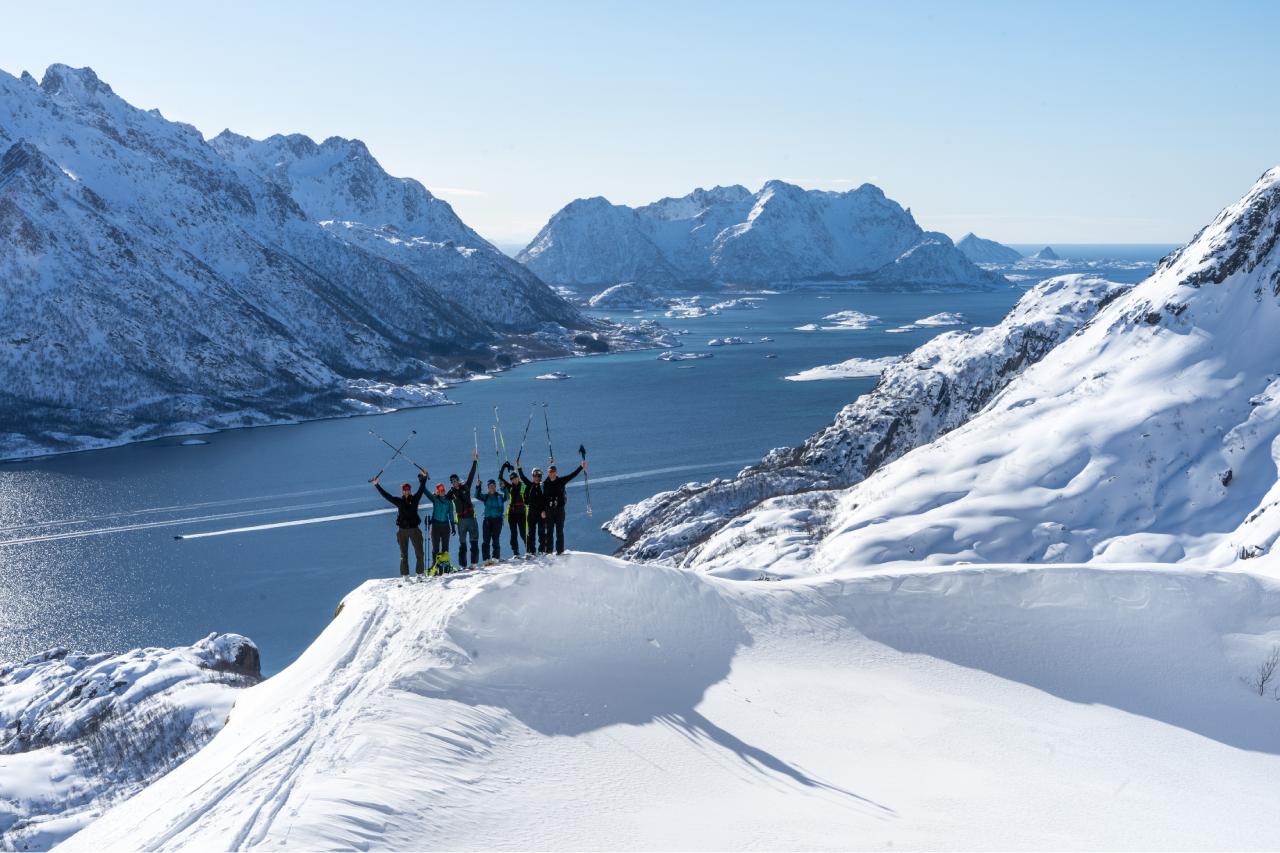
x: 588, y: 703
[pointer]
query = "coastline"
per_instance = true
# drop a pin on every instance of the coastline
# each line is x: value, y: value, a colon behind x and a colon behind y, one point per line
x: 195, y: 429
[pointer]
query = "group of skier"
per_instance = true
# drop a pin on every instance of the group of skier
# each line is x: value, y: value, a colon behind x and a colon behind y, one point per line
x: 533, y: 506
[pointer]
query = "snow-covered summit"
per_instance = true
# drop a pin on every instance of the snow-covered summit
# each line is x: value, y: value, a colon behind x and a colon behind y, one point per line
x: 1046, y: 254
x: 781, y: 233
x: 982, y: 251
x: 339, y: 179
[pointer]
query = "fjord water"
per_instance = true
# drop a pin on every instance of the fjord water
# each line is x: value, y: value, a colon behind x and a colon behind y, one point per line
x: 88, y: 557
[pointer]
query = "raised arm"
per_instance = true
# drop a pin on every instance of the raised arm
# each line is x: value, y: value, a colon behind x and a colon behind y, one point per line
x: 392, y: 499
x: 576, y: 472
x: 422, y: 485
x: 523, y: 478
x: 471, y: 475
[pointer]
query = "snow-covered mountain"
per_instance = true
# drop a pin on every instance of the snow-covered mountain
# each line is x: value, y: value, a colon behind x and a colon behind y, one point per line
x: 925, y: 394
x: 339, y: 184
x: 586, y: 703
x: 81, y: 731
x: 982, y: 251
x: 1150, y: 435
x: 728, y: 234
x: 156, y: 283
x: 1046, y: 254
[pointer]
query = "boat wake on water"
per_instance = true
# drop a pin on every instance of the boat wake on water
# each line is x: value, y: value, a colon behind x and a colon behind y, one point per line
x: 46, y: 532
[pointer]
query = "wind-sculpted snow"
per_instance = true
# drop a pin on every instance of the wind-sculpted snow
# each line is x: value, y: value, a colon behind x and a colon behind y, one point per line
x: 1149, y: 436
x: 158, y: 284
x: 585, y: 703
x: 728, y: 234
x: 919, y: 397
x: 80, y: 731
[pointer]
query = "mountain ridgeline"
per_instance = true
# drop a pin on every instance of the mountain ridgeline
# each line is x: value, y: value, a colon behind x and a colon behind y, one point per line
x: 778, y: 235
x: 156, y: 282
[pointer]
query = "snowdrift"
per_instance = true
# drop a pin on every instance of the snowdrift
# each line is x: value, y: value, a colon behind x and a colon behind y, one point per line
x: 589, y: 703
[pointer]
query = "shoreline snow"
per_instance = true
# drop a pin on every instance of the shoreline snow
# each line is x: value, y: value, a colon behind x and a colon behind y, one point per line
x: 201, y: 429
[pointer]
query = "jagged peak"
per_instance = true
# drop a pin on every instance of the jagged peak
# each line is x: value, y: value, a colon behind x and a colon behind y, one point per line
x: 353, y: 146
x: 1240, y: 238
x: 777, y: 185
x: 231, y: 138
x: 595, y: 202
x: 78, y: 85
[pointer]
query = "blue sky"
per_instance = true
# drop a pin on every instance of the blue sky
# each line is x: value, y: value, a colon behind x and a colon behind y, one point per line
x: 1026, y: 122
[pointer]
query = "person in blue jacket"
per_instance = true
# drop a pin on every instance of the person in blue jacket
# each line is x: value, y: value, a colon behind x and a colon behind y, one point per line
x: 494, y: 504
x: 443, y: 520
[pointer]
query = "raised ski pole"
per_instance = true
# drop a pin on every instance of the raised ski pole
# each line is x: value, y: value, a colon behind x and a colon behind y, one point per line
x: 586, y: 478
x: 397, y: 450
x: 497, y: 457
x: 551, y: 454
x: 497, y: 425
x: 525, y: 437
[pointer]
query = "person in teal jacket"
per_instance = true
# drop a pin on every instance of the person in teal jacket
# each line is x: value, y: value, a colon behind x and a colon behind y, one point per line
x: 443, y: 520
x: 494, y: 503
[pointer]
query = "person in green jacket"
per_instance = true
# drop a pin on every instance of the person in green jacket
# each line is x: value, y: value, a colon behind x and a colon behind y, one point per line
x: 443, y: 520
x: 494, y: 503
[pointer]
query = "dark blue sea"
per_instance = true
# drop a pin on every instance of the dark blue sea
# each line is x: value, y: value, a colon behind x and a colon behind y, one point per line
x: 88, y: 557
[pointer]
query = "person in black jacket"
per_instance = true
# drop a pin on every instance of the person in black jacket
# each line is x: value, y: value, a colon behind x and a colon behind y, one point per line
x: 553, y: 493
x: 517, y: 518
x: 407, y: 520
x: 468, y: 527
x: 535, y: 505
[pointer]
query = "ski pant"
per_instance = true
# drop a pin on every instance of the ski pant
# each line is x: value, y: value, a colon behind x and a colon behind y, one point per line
x: 468, y: 529
x: 516, y: 521
x: 555, y: 528
x: 492, y: 546
x: 539, y: 535
x: 439, y: 538
x: 404, y: 536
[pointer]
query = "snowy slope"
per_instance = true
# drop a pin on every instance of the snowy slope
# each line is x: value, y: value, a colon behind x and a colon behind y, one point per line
x: 1150, y: 435
x: 80, y: 731
x: 982, y: 251
x: 918, y: 398
x: 781, y: 233
x: 588, y: 703
x: 152, y: 285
